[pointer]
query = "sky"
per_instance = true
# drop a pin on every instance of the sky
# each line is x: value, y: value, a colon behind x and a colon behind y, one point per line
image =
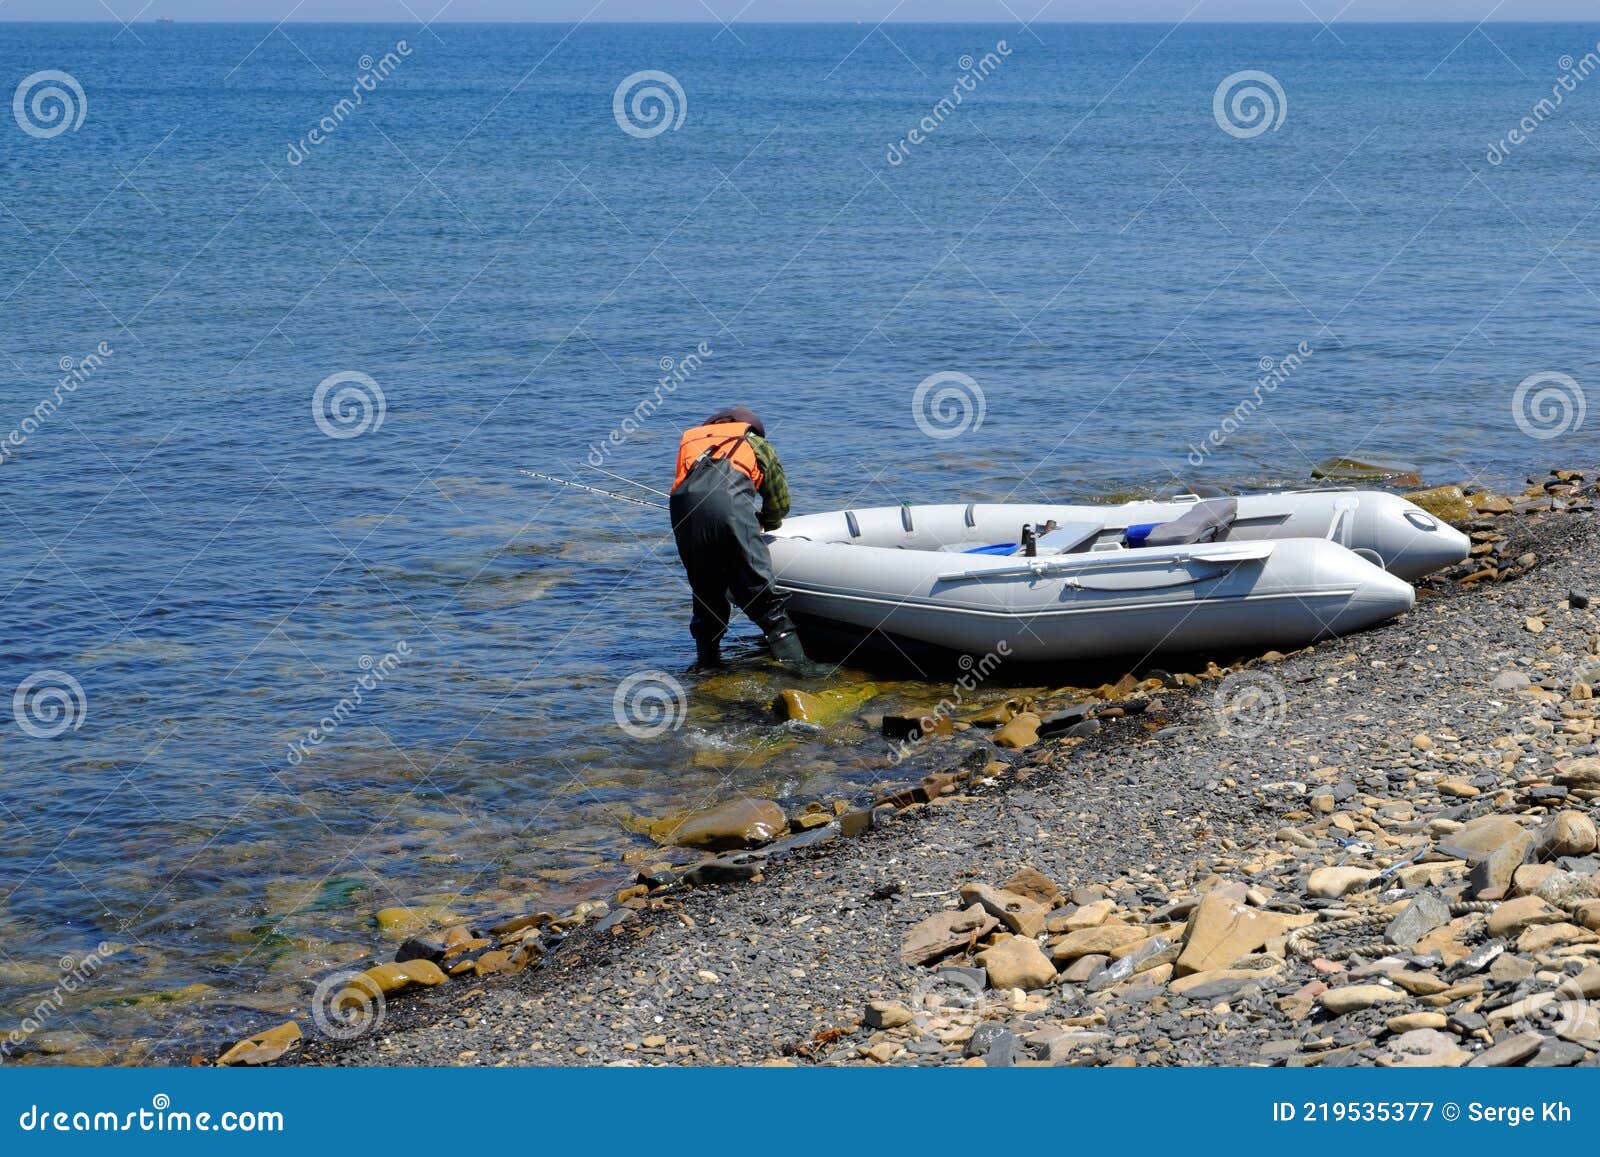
x: 751, y: 11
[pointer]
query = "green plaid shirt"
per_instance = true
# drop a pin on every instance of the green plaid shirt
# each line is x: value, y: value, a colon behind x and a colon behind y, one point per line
x: 774, y: 486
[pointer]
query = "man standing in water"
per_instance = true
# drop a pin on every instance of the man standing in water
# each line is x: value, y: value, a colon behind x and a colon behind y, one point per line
x: 729, y: 488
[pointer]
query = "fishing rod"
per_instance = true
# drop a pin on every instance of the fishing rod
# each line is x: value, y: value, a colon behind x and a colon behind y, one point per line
x: 631, y: 482
x: 593, y: 489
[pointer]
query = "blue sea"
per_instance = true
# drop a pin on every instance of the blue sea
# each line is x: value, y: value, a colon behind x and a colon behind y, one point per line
x: 285, y: 309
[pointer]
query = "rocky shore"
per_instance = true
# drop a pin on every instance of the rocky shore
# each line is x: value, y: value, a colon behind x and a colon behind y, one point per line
x: 1380, y: 850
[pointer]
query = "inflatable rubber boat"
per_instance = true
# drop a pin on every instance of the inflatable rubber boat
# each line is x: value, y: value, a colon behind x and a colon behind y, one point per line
x: 1057, y: 582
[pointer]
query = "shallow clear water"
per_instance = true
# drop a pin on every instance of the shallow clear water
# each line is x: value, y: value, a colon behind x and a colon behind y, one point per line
x: 513, y: 270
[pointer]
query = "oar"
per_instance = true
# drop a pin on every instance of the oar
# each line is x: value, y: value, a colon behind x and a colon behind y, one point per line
x: 593, y: 489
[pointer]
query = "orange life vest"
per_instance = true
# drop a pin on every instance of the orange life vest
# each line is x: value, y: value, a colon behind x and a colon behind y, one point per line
x: 725, y: 441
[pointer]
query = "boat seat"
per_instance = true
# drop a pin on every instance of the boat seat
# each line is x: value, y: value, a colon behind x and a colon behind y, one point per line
x: 1205, y: 521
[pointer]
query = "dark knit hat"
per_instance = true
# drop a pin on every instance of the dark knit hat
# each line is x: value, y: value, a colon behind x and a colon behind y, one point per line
x: 738, y: 414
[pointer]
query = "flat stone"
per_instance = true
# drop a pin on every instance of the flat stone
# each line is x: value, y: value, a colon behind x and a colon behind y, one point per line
x: 1085, y: 916
x: 264, y: 1047
x: 1218, y: 983
x: 1424, y: 1047
x: 1021, y: 915
x: 1557, y: 1054
x: 1103, y: 939
x: 1221, y: 930
x: 1406, y: 1022
x: 945, y: 932
x: 1479, y: 837
x: 1017, y: 963
x: 1513, y: 1050
x: 1355, y: 997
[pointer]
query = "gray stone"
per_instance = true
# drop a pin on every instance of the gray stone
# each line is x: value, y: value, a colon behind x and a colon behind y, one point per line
x: 1557, y: 1054
x: 1420, y: 917
x: 1513, y: 1050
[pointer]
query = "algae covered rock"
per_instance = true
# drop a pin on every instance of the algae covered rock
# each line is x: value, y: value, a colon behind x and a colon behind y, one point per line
x: 1447, y: 503
x: 823, y: 707
x: 1367, y: 470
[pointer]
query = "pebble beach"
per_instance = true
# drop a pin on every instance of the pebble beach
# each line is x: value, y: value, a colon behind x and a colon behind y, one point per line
x: 1380, y: 850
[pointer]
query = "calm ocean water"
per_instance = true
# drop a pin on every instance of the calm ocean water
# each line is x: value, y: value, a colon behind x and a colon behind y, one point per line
x: 481, y: 241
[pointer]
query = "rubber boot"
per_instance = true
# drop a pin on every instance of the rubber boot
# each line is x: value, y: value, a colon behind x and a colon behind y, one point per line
x: 707, y: 656
x: 787, y: 650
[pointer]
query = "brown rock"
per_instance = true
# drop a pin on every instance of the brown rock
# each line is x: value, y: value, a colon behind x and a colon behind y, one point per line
x: 946, y: 932
x: 1089, y: 915
x: 1102, y: 940
x: 1568, y: 833
x: 1022, y: 731
x: 740, y: 823
x: 264, y: 1047
x: 1018, y: 913
x: 1491, y: 876
x: 1355, y: 997
x: 1221, y: 930
x: 1017, y: 963
x: 1036, y: 886
x: 887, y: 1014
x: 1513, y: 916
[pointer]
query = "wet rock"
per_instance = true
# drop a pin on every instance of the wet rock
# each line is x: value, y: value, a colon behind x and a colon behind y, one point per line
x: 1447, y: 503
x: 946, y: 932
x: 1017, y: 963
x: 1018, y: 913
x: 264, y: 1047
x: 1340, y: 469
x: 417, y: 948
x: 823, y: 707
x: 740, y: 823
x: 1022, y: 731
x: 1420, y: 917
x: 405, y: 921
x: 389, y: 980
